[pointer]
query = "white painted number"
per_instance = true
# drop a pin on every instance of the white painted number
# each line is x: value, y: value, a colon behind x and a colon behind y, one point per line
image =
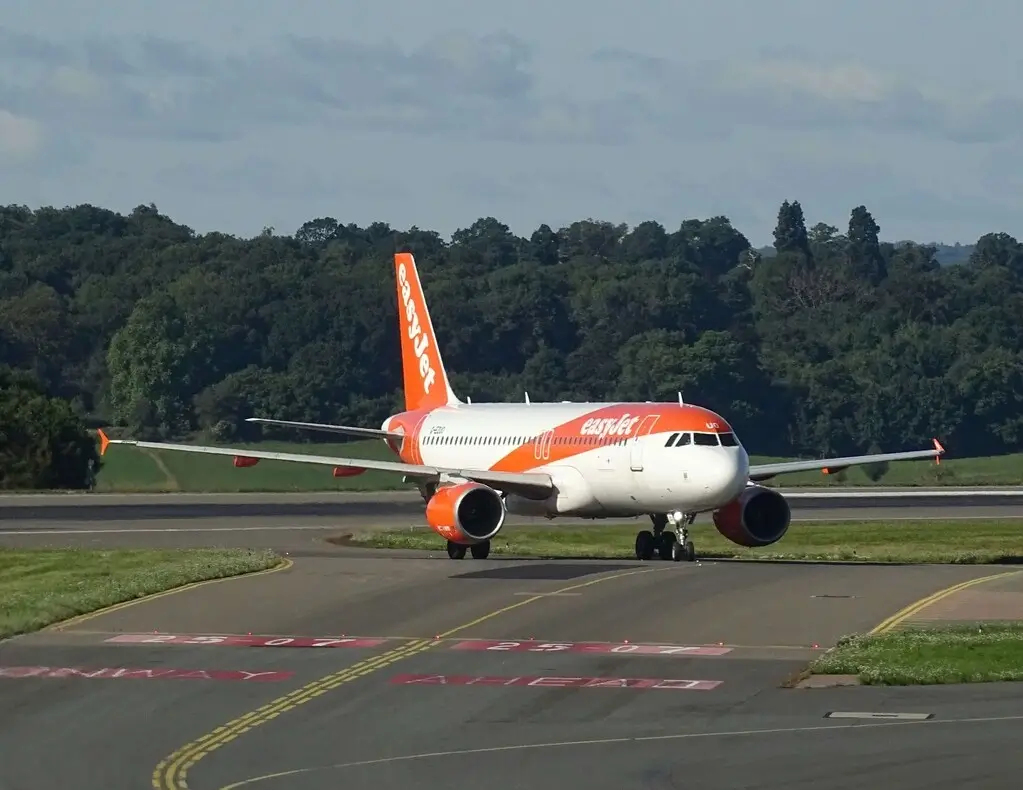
x: 665, y: 650
x: 624, y: 648
x: 161, y: 638
x: 329, y: 642
x: 504, y: 646
x: 205, y: 640
x: 550, y: 648
x: 286, y: 640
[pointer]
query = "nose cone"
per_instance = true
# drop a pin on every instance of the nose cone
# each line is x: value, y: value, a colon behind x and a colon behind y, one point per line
x: 724, y: 474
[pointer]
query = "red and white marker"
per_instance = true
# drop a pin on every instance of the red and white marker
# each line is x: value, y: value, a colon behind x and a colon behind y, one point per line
x: 536, y: 681
x: 591, y: 647
x: 245, y: 641
x: 107, y: 673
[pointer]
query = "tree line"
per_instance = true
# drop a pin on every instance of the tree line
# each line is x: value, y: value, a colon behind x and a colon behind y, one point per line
x: 836, y: 342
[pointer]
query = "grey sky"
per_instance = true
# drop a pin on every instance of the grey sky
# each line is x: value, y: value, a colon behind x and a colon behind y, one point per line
x: 235, y: 114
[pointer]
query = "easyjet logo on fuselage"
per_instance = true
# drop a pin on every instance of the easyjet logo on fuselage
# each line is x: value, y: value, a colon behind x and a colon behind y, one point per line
x: 420, y: 340
x: 609, y: 426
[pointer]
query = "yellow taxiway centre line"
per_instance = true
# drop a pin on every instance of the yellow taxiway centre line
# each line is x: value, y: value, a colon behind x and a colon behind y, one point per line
x: 905, y: 613
x: 172, y: 772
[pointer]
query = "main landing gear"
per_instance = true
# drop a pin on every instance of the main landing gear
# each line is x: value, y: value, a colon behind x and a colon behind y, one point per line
x: 480, y: 551
x: 674, y: 545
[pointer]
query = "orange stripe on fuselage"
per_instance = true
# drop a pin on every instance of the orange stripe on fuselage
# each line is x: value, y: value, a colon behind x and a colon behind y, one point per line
x: 409, y: 423
x: 607, y: 425
x: 602, y: 427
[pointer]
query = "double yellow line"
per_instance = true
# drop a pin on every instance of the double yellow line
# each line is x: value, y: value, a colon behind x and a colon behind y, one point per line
x: 172, y: 772
x: 904, y: 614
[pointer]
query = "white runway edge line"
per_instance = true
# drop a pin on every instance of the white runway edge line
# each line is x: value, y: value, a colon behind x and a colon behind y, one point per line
x: 845, y: 714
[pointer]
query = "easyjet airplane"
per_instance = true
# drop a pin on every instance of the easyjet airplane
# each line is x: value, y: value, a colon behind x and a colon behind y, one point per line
x: 476, y: 462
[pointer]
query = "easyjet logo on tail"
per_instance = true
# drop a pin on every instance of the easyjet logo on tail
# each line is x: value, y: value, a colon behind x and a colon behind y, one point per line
x: 609, y: 426
x: 420, y: 339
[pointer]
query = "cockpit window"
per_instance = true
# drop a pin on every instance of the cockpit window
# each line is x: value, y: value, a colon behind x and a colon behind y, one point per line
x: 684, y: 439
x: 671, y: 440
x: 705, y: 439
x: 729, y: 440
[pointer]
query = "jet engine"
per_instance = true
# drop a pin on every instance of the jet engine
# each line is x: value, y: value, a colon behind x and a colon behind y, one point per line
x: 467, y: 513
x: 759, y: 516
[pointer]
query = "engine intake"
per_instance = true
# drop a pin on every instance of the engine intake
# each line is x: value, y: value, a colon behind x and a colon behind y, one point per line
x: 467, y: 513
x: 759, y: 516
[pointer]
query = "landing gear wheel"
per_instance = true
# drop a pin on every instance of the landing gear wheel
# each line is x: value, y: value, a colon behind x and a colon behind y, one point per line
x: 645, y: 545
x: 456, y: 551
x: 480, y: 551
x: 686, y: 551
x: 666, y: 544
x: 682, y: 548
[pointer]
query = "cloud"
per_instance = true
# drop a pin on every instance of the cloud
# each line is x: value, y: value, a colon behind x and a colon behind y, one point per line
x: 462, y: 87
x: 20, y: 138
x: 454, y: 84
x: 711, y: 98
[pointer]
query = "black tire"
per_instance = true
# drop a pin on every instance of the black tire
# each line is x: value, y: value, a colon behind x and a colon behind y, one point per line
x: 480, y: 551
x: 666, y: 545
x: 645, y: 545
x: 683, y: 551
x: 456, y: 551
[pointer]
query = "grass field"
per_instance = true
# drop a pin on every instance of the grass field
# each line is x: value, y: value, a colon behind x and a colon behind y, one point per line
x: 129, y: 469
x: 960, y: 542
x: 45, y: 586
x: 985, y: 652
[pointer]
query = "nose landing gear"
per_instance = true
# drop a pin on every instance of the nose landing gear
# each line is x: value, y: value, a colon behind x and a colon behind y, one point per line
x: 674, y: 545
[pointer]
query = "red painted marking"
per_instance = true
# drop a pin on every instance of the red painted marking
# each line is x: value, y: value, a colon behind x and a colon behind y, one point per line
x: 591, y: 647
x: 556, y: 682
x: 245, y: 641
x: 142, y: 674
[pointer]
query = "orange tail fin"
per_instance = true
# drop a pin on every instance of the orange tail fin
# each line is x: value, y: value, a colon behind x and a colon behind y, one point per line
x: 425, y: 380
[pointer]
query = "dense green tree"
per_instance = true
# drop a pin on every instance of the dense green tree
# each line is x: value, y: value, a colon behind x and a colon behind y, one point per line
x: 827, y: 342
x: 43, y: 443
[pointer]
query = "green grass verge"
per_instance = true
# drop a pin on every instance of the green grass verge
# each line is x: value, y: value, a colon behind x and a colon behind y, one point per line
x: 128, y: 469
x: 44, y: 586
x: 980, y: 653
x: 965, y: 542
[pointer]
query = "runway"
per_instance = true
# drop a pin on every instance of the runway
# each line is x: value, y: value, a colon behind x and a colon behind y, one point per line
x: 362, y: 668
x: 298, y: 522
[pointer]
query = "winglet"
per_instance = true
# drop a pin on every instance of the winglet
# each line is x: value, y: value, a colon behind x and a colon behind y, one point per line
x: 941, y: 451
x: 104, y: 441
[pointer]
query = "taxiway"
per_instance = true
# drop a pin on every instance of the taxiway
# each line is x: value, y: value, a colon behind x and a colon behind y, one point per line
x: 504, y: 672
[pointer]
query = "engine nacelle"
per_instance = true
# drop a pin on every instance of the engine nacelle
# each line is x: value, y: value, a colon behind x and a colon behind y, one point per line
x: 467, y: 513
x: 759, y: 516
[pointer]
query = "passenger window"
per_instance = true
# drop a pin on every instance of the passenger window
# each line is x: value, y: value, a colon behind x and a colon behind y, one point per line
x: 705, y: 439
x: 729, y: 440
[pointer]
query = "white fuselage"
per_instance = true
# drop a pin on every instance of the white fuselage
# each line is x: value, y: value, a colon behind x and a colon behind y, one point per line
x: 613, y: 463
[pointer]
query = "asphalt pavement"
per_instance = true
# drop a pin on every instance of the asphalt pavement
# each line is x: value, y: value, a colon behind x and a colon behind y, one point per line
x: 362, y: 668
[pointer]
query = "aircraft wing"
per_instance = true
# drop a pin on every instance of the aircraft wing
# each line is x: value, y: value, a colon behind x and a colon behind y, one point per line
x: 759, y: 472
x: 534, y: 485
x: 351, y: 430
